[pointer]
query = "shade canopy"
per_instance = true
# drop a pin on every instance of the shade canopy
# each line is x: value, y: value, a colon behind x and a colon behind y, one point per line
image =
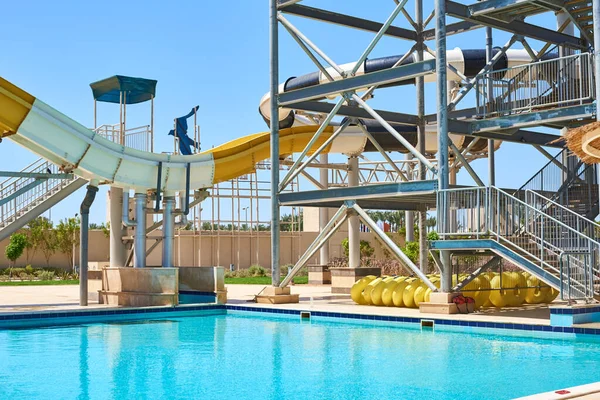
x: 137, y: 90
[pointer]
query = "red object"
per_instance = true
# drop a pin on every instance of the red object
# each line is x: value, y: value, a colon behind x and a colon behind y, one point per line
x: 562, y: 392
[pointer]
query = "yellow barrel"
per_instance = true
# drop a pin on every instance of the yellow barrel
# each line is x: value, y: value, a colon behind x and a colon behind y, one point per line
x: 358, y: 287
x: 551, y: 294
x: 377, y: 292
x: 518, y: 283
x: 388, y: 291
x: 535, y: 294
x: 498, y: 298
x: 398, y: 295
x: 366, y: 294
x: 408, y: 297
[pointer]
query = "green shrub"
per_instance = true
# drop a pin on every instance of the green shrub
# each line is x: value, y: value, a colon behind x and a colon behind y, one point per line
x: 366, y: 250
x: 29, y: 269
x: 257, y: 270
x: 433, y: 235
x: 15, y: 247
x: 45, y: 275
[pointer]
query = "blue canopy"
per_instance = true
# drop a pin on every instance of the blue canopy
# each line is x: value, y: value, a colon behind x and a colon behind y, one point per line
x: 137, y: 90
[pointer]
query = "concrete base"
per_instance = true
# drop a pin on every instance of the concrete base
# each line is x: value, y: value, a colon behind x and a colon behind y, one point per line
x: 277, y: 295
x: 342, y: 279
x: 319, y: 275
x: 140, y: 287
x: 204, y: 279
x: 439, y: 303
x: 94, y: 285
x: 138, y: 299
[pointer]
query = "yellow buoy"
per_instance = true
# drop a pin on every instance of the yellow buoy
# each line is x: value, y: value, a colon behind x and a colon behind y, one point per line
x: 398, y: 295
x: 535, y: 294
x: 408, y: 297
x: 518, y: 283
x: 358, y: 287
x: 377, y: 291
x: 551, y: 294
x: 369, y: 289
x: 498, y: 298
x: 388, y: 291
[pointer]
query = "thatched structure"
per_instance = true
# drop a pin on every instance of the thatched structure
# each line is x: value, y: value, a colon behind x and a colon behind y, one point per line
x: 576, y: 137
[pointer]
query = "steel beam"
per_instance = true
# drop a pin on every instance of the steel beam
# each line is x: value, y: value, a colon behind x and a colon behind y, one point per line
x: 361, y: 192
x: 349, y: 21
x: 323, y: 212
x: 461, y: 11
x: 274, y: 140
x: 34, y: 175
x: 596, y: 19
x: 383, y: 77
x: 534, y: 118
x: 393, y: 247
x: 453, y: 29
x: 356, y: 112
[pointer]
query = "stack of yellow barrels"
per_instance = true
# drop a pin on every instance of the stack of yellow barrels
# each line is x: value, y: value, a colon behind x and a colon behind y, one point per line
x: 509, y: 289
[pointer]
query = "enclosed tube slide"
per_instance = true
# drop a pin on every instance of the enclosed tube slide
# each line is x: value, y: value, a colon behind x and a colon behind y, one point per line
x: 466, y: 62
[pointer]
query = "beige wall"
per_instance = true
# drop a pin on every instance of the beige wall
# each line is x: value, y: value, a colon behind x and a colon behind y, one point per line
x: 98, y: 251
x: 209, y: 250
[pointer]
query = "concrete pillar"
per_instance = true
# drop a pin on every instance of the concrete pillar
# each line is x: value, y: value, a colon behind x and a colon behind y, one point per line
x: 139, y: 244
x: 118, y: 251
x: 420, y: 97
x: 168, y: 230
x: 323, y: 212
x: 353, y: 220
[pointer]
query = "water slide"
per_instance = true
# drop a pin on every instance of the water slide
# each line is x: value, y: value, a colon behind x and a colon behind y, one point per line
x: 40, y: 128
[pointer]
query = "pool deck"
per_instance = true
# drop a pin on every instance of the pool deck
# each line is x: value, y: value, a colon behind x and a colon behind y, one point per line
x: 312, y: 298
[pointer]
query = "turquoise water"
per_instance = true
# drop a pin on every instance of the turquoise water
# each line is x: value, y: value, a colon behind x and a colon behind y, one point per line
x: 256, y: 357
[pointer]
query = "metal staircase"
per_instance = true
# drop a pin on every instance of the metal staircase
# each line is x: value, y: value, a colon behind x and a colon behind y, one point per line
x: 564, y: 183
x: 581, y: 15
x: 489, y: 218
x: 32, y: 191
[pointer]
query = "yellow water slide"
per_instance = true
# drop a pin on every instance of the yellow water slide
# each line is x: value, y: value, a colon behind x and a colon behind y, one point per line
x: 77, y: 149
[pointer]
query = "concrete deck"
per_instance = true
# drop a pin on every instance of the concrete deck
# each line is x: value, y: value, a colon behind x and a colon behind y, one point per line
x: 318, y: 298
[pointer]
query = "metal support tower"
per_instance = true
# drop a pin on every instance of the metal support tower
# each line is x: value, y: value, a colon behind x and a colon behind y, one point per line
x: 275, y: 234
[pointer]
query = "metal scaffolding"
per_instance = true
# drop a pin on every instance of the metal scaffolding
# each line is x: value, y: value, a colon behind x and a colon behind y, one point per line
x: 421, y: 182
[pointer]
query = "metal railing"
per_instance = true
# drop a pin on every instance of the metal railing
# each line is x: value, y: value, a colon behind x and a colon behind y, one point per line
x: 488, y: 212
x: 563, y: 81
x: 13, y: 209
x: 567, y: 181
x: 139, y: 138
x: 581, y: 224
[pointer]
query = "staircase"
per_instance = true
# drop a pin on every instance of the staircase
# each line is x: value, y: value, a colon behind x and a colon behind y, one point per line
x: 31, y: 192
x: 564, y: 184
x: 489, y: 218
x: 581, y: 14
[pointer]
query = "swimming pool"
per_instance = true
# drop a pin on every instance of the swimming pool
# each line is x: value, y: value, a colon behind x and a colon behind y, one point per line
x: 256, y: 356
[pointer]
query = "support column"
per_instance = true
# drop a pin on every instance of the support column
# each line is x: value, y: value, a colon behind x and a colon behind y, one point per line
x: 168, y: 231
x: 83, y: 243
x: 596, y: 16
x: 323, y: 212
x: 139, y: 243
x: 274, y: 137
x: 489, y: 46
x: 409, y: 218
x: 442, y: 119
x: 353, y: 220
x: 420, y: 97
x: 118, y: 252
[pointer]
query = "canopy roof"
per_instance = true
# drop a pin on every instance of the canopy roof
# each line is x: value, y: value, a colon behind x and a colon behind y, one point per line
x: 137, y: 90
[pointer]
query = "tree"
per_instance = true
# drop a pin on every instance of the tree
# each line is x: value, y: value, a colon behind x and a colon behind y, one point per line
x: 67, y: 237
x: 35, y: 232
x: 15, y: 247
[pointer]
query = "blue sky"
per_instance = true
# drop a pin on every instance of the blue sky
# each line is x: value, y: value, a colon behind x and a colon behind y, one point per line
x: 207, y: 53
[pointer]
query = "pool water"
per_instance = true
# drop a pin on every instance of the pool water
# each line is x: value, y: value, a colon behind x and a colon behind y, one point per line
x: 255, y: 357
